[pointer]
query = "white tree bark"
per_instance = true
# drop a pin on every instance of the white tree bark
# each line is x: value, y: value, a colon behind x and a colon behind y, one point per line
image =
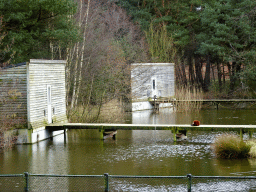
x: 74, y: 92
x: 82, y: 54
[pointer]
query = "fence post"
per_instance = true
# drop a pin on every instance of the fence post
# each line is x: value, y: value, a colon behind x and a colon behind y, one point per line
x: 189, y: 176
x: 106, y: 182
x: 26, y: 181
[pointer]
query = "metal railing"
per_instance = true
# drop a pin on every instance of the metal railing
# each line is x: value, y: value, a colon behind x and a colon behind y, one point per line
x: 45, y: 182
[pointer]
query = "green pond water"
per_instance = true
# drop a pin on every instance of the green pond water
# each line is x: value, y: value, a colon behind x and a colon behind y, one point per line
x: 147, y: 152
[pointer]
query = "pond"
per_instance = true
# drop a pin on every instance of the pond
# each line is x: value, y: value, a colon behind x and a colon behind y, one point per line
x: 147, y: 152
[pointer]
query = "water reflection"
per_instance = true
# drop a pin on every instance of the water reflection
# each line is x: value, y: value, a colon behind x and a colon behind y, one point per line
x: 43, y: 157
x: 147, y: 152
x: 205, y: 116
x: 165, y: 116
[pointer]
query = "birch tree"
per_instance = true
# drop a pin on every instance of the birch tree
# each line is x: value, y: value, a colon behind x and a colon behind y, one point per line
x: 99, y: 66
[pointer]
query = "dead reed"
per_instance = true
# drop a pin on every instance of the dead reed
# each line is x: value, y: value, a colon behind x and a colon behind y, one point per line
x: 109, y: 112
x: 7, y: 134
x: 252, y: 144
x: 188, y: 99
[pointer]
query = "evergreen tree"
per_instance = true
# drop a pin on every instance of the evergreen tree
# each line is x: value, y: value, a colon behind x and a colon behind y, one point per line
x: 32, y: 28
x: 228, y: 33
x: 182, y: 21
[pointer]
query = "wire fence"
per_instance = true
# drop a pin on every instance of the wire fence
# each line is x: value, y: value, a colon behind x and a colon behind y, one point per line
x: 42, y: 182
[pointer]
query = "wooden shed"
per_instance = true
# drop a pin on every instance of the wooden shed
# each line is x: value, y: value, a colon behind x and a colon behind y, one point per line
x: 33, y: 95
x: 151, y: 80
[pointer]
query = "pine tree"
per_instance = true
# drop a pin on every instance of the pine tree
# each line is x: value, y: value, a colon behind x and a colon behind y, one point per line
x: 228, y: 33
x: 32, y: 28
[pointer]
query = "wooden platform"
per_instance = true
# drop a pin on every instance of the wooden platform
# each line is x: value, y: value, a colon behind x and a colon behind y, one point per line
x: 175, y: 128
x: 215, y: 102
x: 204, y: 101
x: 208, y: 100
x: 151, y: 127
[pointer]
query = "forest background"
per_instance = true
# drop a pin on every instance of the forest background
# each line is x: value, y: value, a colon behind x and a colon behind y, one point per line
x: 211, y: 42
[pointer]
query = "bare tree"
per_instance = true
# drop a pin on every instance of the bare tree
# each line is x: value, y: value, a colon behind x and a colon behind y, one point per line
x: 98, y: 65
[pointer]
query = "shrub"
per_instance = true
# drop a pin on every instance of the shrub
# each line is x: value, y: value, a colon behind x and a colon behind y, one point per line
x: 230, y: 146
x: 7, y: 134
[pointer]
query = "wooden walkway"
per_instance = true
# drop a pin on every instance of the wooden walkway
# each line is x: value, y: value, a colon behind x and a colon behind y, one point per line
x: 216, y: 102
x: 208, y: 100
x: 151, y: 127
x: 175, y: 128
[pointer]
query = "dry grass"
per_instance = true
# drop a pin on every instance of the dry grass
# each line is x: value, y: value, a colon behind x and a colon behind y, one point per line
x: 110, y: 112
x: 7, y: 136
x: 252, y: 144
x: 230, y: 146
x: 188, y: 99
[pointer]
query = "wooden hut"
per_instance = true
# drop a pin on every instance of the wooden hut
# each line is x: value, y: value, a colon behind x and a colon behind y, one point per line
x: 149, y: 81
x: 33, y: 95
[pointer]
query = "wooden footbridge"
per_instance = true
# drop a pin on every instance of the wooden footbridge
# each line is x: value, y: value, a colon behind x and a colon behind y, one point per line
x: 104, y: 128
x: 215, y: 102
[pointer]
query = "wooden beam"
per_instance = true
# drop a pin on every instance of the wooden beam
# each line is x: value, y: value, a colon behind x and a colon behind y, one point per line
x: 173, y: 127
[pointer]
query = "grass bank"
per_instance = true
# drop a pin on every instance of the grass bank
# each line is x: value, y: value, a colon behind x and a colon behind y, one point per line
x: 109, y: 112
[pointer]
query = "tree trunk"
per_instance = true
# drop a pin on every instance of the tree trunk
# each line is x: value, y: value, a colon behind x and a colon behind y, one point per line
x: 219, y: 76
x: 82, y: 55
x: 75, y: 72
x: 199, y: 77
x: 232, y: 77
x: 191, y: 70
x: 178, y: 75
x: 213, y: 75
x: 224, y: 75
x: 183, y: 71
x: 73, y: 98
x: 207, y: 75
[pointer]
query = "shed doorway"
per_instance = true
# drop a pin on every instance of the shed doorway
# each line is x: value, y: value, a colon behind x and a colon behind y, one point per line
x: 49, y: 103
x: 154, y: 87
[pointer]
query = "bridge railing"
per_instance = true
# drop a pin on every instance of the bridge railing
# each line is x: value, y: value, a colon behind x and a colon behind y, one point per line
x: 106, y: 182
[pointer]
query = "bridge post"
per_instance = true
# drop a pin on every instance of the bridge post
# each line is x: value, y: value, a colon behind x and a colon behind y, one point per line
x: 101, y: 130
x: 114, y: 136
x: 250, y: 134
x: 174, y: 137
x: 174, y: 132
x: 241, y: 134
x: 65, y: 136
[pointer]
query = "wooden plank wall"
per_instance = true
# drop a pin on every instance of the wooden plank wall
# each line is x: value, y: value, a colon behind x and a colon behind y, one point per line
x: 13, y: 94
x: 43, y: 73
x: 142, y: 76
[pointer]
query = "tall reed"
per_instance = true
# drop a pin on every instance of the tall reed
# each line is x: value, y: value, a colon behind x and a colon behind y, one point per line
x: 7, y: 134
x: 161, y: 46
x: 188, y: 99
